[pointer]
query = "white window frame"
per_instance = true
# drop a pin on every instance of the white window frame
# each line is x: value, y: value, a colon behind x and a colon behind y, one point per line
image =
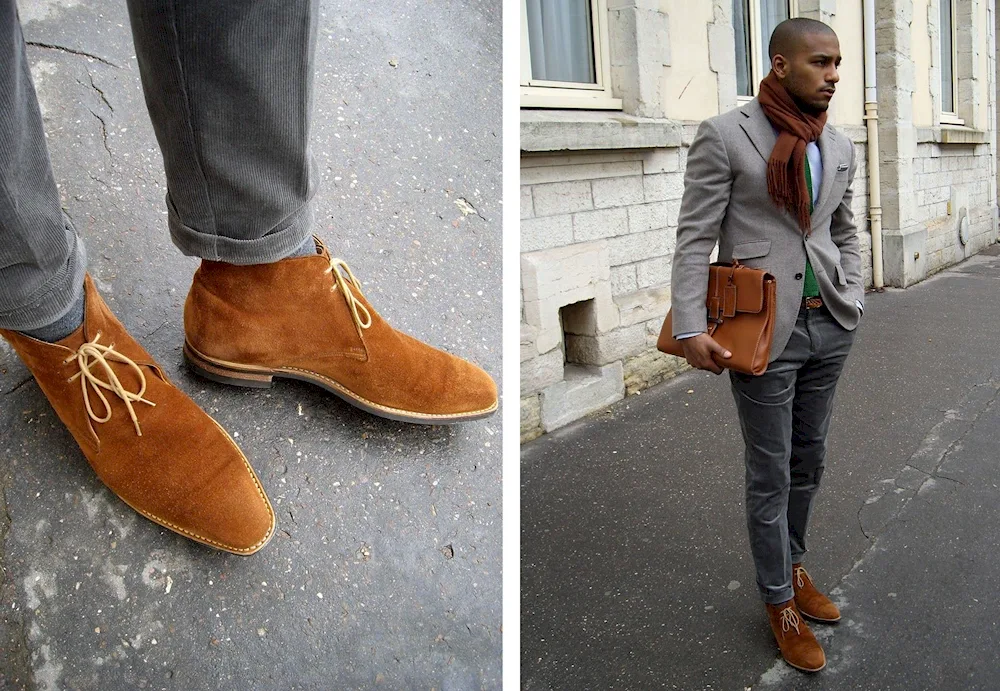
x: 757, y: 70
x: 951, y: 117
x: 537, y: 93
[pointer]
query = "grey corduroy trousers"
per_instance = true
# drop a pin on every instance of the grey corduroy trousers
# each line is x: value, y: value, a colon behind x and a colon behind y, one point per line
x: 228, y: 86
x: 785, y: 416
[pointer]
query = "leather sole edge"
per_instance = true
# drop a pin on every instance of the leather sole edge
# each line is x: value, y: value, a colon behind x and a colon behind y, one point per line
x: 234, y: 374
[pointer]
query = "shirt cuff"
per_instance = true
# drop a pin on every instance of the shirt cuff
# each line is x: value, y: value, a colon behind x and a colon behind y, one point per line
x: 861, y: 307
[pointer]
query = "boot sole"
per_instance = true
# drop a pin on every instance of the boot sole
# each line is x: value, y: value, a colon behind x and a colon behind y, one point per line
x: 805, y: 669
x: 194, y: 537
x: 821, y: 621
x: 251, y: 376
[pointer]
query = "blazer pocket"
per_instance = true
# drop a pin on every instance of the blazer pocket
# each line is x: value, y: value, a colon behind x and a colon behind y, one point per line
x: 841, y: 278
x: 751, y: 250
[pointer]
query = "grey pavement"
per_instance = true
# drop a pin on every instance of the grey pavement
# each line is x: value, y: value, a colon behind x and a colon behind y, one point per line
x: 386, y: 567
x: 636, y: 570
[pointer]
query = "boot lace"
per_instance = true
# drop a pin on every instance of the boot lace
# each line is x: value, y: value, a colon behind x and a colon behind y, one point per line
x: 345, y: 279
x: 93, y: 355
x: 800, y: 572
x: 789, y: 620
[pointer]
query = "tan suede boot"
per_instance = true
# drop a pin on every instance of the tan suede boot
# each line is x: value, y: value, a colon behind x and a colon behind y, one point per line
x: 797, y: 643
x: 147, y: 441
x: 810, y: 601
x: 305, y: 318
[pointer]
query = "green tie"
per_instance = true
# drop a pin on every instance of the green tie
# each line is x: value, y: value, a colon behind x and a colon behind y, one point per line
x: 810, y: 288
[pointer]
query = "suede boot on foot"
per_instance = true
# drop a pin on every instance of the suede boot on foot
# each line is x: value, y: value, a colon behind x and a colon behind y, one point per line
x: 305, y: 318
x: 147, y: 441
x: 797, y: 643
x: 811, y: 602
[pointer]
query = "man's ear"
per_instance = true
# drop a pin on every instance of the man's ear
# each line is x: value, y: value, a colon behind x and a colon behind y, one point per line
x: 780, y: 66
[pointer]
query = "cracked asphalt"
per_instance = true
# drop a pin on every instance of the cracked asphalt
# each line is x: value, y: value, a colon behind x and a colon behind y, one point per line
x: 636, y: 570
x: 386, y: 567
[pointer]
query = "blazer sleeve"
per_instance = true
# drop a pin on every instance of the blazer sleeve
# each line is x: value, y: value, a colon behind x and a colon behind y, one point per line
x: 844, y: 234
x: 708, y: 182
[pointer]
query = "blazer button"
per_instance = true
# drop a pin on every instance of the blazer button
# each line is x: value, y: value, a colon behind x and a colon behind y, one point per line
x: 798, y: 277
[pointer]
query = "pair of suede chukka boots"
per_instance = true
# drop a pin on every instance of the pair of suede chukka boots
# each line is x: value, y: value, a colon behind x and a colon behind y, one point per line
x: 300, y: 318
x: 797, y: 643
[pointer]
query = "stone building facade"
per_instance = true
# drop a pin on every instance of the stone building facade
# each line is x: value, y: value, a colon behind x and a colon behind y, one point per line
x: 602, y: 169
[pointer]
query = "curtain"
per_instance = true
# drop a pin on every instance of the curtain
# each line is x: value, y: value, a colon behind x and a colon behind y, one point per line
x: 947, y: 66
x: 561, y: 40
x: 772, y: 13
x: 741, y: 28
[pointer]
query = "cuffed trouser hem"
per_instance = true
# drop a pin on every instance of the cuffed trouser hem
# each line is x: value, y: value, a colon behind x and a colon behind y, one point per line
x: 272, y: 247
x: 776, y: 597
x: 54, y: 299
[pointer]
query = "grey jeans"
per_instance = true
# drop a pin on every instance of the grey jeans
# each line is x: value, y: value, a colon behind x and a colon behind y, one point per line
x: 785, y: 415
x: 228, y: 86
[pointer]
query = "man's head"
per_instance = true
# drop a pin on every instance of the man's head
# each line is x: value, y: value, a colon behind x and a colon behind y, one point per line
x: 805, y: 55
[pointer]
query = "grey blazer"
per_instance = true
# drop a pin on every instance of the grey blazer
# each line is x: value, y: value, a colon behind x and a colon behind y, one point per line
x: 726, y: 201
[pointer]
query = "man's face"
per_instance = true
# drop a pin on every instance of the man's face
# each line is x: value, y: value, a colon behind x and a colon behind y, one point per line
x: 809, y: 72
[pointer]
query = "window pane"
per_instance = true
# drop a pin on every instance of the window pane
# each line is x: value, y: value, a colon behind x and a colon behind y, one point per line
x: 772, y: 13
x: 561, y: 40
x: 947, y: 68
x: 741, y: 27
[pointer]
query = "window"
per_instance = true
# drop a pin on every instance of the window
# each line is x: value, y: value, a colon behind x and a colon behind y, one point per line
x: 949, y: 80
x: 565, y: 61
x: 753, y: 23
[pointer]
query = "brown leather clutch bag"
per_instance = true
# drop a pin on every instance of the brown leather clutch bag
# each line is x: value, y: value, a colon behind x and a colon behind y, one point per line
x: 741, y: 306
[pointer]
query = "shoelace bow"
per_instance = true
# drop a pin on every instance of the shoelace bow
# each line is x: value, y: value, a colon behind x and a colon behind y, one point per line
x: 789, y: 620
x: 93, y: 353
x: 799, y: 571
x: 345, y: 278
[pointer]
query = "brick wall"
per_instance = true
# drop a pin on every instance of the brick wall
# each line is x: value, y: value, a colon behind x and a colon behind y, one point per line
x: 952, y: 181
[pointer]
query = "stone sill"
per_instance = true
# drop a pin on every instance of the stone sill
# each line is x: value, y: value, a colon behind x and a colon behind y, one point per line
x: 952, y: 134
x: 574, y: 130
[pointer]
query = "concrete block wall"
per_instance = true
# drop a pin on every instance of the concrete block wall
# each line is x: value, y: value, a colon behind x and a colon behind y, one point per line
x: 598, y: 232
x: 952, y: 182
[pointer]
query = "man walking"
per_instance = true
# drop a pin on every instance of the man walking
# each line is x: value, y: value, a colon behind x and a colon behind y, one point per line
x: 771, y: 182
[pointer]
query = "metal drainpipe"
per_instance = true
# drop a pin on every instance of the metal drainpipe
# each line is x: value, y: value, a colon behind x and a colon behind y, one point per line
x: 871, y: 119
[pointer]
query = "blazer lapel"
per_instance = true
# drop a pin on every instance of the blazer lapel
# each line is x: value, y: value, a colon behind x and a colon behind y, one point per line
x: 758, y: 129
x: 827, y: 151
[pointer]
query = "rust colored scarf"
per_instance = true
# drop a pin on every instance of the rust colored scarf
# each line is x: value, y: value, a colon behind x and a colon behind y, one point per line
x: 786, y: 169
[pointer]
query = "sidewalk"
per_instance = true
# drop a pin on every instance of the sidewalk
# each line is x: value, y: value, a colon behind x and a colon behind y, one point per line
x: 385, y: 570
x: 636, y: 570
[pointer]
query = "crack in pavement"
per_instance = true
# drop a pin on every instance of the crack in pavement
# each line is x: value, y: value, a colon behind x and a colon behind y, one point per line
x: 72, y: 51
x: 104, y: 134
x: 956, y: 443
x: 931, y: 440
x: 18, y: 385
x: 150, y: 334
x: 96, y: 88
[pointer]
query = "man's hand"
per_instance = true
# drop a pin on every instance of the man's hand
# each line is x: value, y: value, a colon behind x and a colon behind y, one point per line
x: 699, y: 350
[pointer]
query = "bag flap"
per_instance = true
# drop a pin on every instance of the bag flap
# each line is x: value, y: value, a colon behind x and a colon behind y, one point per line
x: 749, y: 284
